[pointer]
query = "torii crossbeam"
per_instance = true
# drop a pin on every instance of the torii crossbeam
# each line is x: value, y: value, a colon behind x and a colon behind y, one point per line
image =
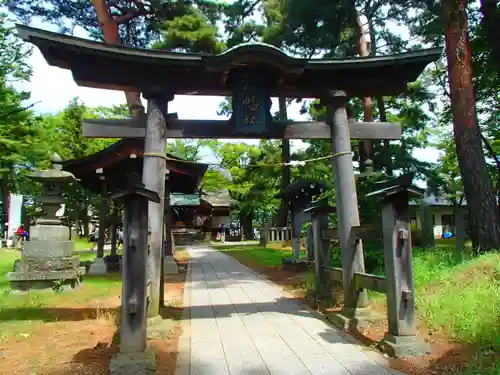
x: 223, y: 129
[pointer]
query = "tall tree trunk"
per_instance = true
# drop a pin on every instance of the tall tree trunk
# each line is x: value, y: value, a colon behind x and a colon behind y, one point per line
x: 365, y: 147
x: 386, y: 155
x: 285, y: 173
x: 493, y: 155
x: 246, y: 226
x: 109, y: 29
x: 491, y: 22
x: 483, y: 213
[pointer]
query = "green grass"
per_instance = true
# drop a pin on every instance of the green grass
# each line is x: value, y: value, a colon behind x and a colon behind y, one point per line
x: 258, y: 255
x: 86, y: 256
x: 21, y: 313
x: 83, y: 244
x: 460, y: 297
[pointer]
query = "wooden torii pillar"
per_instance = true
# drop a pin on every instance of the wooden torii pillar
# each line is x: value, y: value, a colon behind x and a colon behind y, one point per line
x: 355, y: 302
x: 153, y: 178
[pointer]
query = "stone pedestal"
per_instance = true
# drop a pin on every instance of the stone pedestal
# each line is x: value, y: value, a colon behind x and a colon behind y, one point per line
x: 98, y: 267
x: 47, y: 261
x: 170, y: 265
x: 139, y: 363
x: 403, y: 346
x: 113, y: 262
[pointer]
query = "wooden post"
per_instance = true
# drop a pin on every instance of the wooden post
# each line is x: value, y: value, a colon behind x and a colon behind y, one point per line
x: 264, y: 235
x: 426, y: 218
x: 98, y: 266
x: 113, y: 235
x: 133, y: 311
x: 401, y: 339
x: 296, y: 231
x: 169, y: 248
x: 103, y: 216
x: 133, y: 337
x: 322, y: 257
x: 153, y: 177
x: 310, y: 243
x: 347, y: 205
x: 460, y: 228
x: 169, y: 264
x: 398, y: 265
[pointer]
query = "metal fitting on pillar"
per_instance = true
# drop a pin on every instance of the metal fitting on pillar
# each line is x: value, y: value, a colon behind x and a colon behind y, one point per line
x: 132, y: 305
x: 406, y: 294
x: 334, y: 97
x: 403, y: 234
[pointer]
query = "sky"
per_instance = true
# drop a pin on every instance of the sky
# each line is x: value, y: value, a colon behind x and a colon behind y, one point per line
x: 52, y: 89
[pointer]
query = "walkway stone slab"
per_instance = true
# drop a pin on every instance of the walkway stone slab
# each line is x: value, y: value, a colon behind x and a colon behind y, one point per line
x: 238, y: 323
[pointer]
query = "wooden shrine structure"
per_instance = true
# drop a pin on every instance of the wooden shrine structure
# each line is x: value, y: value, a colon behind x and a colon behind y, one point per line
x: 198, y: 217
x: 251, y: 74
x: 109, y: 170
x: 299, y: 196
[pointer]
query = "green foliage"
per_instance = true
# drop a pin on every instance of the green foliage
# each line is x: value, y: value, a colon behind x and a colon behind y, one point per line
x: 13, y: 60
x: 416, y: 235
x: 459, y: 297
x: 58, y: 285
x: 190, y: 32
x: 20, y: 130
x: 373, y: 255
x: 189, y: 149
x: 139, y: 22
x: 213, y: 180
x: 249, y: 177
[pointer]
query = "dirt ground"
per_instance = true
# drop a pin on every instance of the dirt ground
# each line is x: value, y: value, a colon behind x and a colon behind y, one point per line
x: 447, y: 358
x: 81, y: 341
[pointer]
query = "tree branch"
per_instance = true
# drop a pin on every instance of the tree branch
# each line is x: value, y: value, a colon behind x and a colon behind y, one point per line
x: 130, y: 16
x: 492, y: 152
x: 251, y: 9
x: 19, y: 110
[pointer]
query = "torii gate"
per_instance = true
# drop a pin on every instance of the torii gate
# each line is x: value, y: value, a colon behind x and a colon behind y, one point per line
x: 251, y: 74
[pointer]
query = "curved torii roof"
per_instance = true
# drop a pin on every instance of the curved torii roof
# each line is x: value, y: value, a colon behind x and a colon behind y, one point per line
x: 124, y: 68
x: 116, y: 162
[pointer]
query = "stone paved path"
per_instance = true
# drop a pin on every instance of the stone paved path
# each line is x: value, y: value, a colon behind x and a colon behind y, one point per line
x: 242, y: 324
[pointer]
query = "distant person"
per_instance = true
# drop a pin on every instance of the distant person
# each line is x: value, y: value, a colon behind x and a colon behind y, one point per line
x: 19, y: 236
x: 222, y: 233
x: 120, y: 236
x: 94, y: 235
x: 20, y: 232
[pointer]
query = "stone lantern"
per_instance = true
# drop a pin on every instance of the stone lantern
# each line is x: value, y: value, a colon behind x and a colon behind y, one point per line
x: 52, y: 181
x: 47, y: 259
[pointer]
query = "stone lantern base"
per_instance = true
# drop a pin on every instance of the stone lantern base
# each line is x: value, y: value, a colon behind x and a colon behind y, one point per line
x: 47, y: 261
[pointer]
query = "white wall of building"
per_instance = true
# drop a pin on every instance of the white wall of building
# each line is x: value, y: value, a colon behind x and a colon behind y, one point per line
x: 438, y: 213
